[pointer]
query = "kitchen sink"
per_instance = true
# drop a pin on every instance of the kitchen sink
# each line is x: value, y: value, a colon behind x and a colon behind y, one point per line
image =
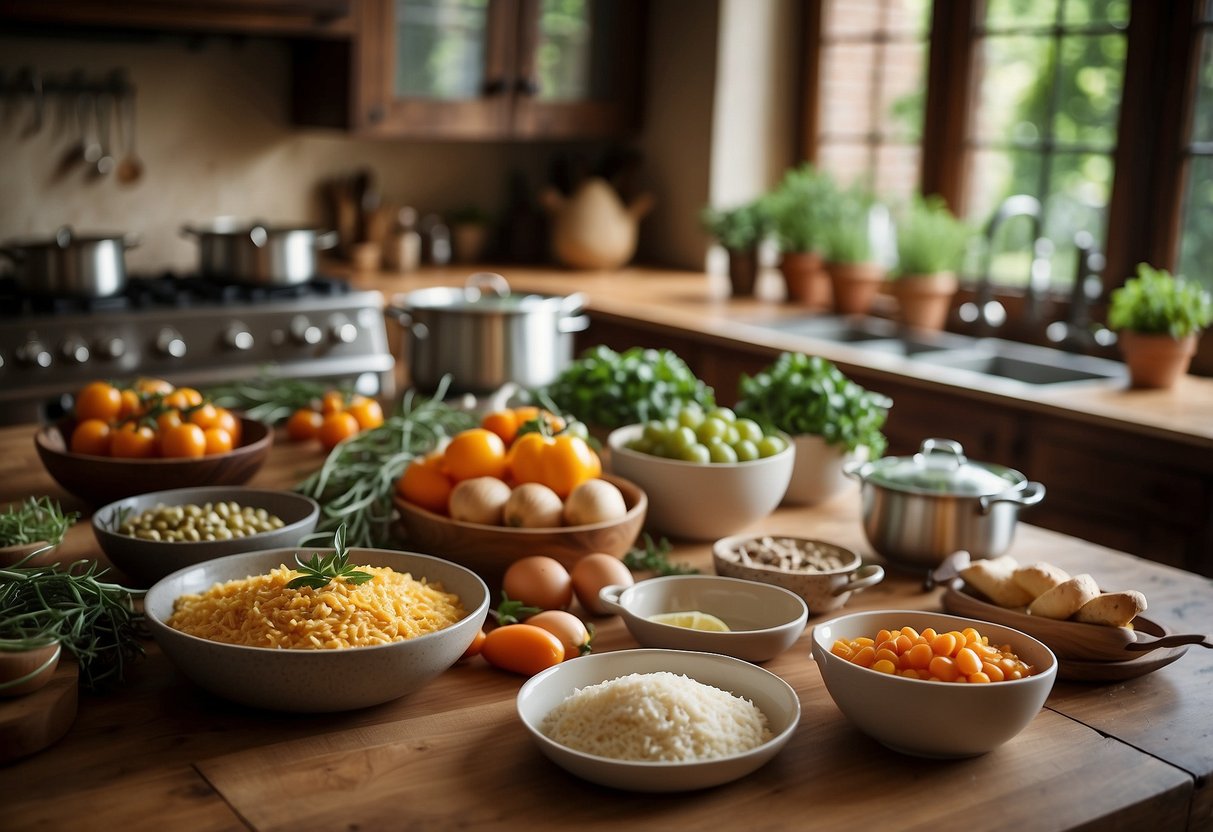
x: 990, y: 357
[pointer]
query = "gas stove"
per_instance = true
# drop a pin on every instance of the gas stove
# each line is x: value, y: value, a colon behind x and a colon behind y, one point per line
x: 191, y: 331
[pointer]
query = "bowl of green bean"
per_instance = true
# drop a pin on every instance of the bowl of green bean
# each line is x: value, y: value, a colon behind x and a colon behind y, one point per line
x: 152, y: 535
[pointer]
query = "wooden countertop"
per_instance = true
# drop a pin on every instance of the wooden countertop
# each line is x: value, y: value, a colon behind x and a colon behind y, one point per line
x: 160, y: 753
x: 699, y: 304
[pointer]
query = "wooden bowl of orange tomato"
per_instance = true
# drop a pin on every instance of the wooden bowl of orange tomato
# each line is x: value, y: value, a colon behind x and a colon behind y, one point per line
x: 102, y: 479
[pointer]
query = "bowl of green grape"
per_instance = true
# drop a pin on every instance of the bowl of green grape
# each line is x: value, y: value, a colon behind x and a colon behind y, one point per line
x: 707, y: 473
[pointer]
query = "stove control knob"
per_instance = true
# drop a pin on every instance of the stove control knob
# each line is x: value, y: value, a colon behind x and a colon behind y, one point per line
x: 111, y: 348
x: 237, y: 337
x: 304, y: 331
x: 74, y: 350
x: 34, y: 354
x: 341, y: 331
x: 169, y: 343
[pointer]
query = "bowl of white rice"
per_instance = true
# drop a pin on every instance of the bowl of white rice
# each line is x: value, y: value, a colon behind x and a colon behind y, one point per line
x: 659, y: 720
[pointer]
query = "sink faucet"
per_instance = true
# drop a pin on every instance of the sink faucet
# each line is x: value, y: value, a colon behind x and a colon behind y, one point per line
x: 1076, y: 331
x: 988, y: 313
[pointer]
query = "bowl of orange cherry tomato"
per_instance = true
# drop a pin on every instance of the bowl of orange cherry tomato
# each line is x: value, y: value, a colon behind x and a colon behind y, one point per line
x: 122, y: 440
x: 930, y: 684
x: 524, y: 482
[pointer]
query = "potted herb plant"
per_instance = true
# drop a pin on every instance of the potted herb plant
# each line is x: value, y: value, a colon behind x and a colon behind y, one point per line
x: 855, y: 277
x: 931, y: 245
x: 1159, y: 319
x: 739, y: 230
x: 470, y: 228
x: 800, y: 208
x: 32, y: 530
x: 830, y: 418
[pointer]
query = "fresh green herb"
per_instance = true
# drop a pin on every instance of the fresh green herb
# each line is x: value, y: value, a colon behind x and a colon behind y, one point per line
x: 510, y: 611
x: 801, y: 394
x: 354, y: 485
x: 847, y: 237
x: 319, y: 572
x: 269, y: 399
x: 930, y: 239
x: 654, y: 557
x: 38, y: 518
x: 801, y: 207
x: 95, y: 621
x: 1156, y: 302
x: 737, y: 229
x: 611, y: 389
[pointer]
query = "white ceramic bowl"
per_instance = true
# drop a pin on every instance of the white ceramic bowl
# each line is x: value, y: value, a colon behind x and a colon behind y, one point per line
x: 701, y: 501
x: 823, y: 590
x: 763, y: 620
x: 932, y: 719
x: 313, y: 681
x: 772, y: 695
x: 817, y: 474
x: 147, y: 561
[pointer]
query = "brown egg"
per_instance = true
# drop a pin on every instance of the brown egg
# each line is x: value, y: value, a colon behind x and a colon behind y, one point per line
x: 592, y: 573
x: 538, y: 581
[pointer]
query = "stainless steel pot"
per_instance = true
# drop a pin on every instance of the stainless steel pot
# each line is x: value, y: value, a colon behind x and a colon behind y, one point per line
x: 920, y: 509
x: 71, y: 264
x: 486, y: 336
x: 258, y: 253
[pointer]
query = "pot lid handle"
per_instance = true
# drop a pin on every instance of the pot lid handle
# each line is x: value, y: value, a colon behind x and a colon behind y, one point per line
x: 941, y: 454
x: 63, y: 237
x: 480, y: 281
x: 258, y: 235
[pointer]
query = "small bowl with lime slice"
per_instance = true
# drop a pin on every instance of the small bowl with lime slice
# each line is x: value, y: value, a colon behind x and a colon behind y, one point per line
x: 710, y: 614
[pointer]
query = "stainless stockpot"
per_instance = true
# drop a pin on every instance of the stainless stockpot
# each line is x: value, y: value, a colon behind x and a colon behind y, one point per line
x: 71, y: 264
x: 485, y: 336
x: 258, y: 253
x: 919, y: 509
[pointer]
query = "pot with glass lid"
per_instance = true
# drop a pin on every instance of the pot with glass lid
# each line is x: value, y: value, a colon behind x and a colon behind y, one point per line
x: 919, y: 509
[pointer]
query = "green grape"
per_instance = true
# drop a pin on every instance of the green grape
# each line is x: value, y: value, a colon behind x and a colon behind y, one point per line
x: 770, y: 445
x: 720, y: 452
x: 724, y: 414
x: 695, y: 453
x: 711, y: 428
x: 746, y: 450
x: 690, y: 417
x: 749, y: 429
x: 732, y: 435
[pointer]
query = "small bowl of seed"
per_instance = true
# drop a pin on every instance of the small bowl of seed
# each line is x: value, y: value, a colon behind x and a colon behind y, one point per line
x: 823, y: 574
x: 152, y: 535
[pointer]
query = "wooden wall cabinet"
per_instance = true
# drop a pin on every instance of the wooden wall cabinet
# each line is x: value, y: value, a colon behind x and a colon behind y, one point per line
x: 285, y: 18
x: 480, y: 70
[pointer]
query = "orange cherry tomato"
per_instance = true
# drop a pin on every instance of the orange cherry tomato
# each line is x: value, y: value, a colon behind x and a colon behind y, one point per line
x: 186, y: 440
x: 168, y: 419
x: 133, y: 441
x: 367, y: 411
x: 570, y: 629
x: 560, y: 462
x: 132, y: 404
x: 333, y: 401
x: 203, y: 415
x: 230, y: 422
x: 183, y: 398
x: 522, y: 648
x: 423, y: 483
x: 99, y: 400
x: 476, y: 646
x: 92, y: 436
x: 304, y: 424
x: 218, y: 441
x: 474, y: 453
x: 336, y: 427
x: 153, y: 386
x: 504, y: 423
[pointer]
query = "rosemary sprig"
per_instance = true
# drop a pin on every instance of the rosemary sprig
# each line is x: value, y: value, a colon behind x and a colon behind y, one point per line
x: 319, y: 572
x: 654, y: 557
x: 269, y: 399
x: 37, y: 518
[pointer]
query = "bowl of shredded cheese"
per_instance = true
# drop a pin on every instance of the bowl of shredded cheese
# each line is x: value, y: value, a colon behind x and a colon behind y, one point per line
x: 237, y: 626
x: 659, y: 720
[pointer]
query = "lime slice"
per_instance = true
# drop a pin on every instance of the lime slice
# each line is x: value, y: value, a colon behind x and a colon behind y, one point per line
x: 692, y: 620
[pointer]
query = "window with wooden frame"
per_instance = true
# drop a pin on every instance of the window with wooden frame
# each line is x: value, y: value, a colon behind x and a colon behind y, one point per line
x: 1100, y: 109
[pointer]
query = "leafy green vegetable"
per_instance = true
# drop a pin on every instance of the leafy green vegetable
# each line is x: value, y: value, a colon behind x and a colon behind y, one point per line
x: 95, y: 621
x: 801, y: 208
x: 737, y: 228
x: 269, y: 399
x: 38, y: 518
x: 1155, y: 302
x: 654, y: 557
x: 611, y: 389
x: 320, y: 572
x: 354, y: 485
x: 801, y: 394
x: 930, y: 239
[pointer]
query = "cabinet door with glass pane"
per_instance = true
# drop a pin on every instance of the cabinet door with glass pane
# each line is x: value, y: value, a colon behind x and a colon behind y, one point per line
x: 484, y: 69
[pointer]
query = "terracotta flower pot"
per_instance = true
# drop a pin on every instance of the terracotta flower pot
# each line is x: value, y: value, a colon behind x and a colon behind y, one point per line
x: 925, y: 298
x: 24, y: 671
x: 807, y: 282
x: 1156, y: 361
x: 854, y: 286
x: 743, y: 271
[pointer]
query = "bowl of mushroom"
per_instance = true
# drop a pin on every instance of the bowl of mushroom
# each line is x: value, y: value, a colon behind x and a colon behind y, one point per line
x: 821, y: 573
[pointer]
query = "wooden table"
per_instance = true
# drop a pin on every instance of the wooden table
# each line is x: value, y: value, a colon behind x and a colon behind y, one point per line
x: 160, y: 753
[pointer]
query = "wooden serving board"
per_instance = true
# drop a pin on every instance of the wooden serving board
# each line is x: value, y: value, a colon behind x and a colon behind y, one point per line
x: 31, y: 722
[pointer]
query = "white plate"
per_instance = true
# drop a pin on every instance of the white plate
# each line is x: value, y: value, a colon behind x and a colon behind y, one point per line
x: 771, y: 694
